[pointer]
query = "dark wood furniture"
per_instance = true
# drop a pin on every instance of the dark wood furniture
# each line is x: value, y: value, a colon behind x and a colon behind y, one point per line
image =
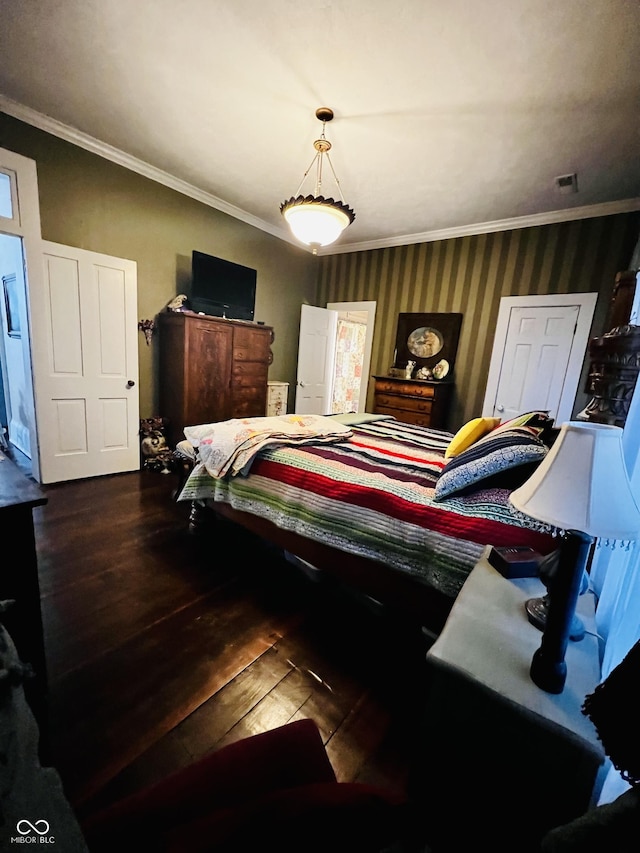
x: 614, y: 359
x: 19, y: 584
x: 613, y: 373
x: 413, y: 401
x: 211, y: 369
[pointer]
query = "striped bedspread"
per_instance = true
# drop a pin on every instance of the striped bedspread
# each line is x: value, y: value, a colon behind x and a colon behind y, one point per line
x: 372, y: 495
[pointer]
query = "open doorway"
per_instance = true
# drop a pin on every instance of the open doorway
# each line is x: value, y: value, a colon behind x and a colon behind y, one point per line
x: 21, y: 235
x: 352, y: 360
x: 349, y: 361
x: 16, y: 415
x: 321, y: 368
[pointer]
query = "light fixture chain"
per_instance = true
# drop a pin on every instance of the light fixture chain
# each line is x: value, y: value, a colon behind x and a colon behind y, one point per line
x: 304, y: 177
x: 319, y: 174
x: 335, y: 177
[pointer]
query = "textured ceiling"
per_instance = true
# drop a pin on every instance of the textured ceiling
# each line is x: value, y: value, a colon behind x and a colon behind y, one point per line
x: 450, y: 117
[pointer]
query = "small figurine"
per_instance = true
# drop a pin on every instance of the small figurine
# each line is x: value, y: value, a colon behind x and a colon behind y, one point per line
x: 178, y: 303
x: 409, y: 369
x: 423, y: 373
x: 157, y: 455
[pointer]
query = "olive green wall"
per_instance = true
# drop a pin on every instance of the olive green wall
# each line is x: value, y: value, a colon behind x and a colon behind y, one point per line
x: 470, y: 275
x: 90, y: 203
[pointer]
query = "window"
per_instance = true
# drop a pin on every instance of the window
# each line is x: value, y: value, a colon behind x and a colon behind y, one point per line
x: 6, y: 202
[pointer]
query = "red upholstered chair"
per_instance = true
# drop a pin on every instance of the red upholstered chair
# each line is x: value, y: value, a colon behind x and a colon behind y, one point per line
x: 272, y: 790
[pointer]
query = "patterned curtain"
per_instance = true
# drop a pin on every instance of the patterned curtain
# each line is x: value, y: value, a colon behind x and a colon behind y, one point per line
x: 348, y: 366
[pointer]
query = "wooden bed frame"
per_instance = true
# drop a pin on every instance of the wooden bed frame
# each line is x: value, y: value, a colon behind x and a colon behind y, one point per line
x: 408, y: 594
x: 392, y: 588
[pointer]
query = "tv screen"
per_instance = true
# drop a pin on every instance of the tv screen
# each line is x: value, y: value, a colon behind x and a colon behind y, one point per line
x: 222, y: 288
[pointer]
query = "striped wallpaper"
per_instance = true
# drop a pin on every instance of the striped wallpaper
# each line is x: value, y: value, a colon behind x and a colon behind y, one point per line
x: 470, y: 275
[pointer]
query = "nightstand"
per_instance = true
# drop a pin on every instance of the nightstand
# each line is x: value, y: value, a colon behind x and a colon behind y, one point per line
x: 503, y: 761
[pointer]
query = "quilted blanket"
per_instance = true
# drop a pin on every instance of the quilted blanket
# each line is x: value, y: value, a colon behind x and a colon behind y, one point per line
x: 229, y: 447
x: 372, y: 494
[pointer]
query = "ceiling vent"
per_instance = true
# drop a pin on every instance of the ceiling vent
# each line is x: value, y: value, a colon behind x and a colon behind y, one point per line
x: 567, y: 183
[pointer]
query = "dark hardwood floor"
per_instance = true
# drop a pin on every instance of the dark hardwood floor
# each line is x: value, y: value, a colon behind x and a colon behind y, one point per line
x: 161, y: 647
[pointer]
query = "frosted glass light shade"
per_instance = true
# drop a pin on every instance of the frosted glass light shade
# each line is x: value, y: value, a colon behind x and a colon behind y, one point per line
x: 316, y: 221
x: 582, y: 484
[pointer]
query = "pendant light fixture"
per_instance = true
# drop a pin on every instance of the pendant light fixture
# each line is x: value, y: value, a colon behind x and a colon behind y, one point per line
x: 315, y: 220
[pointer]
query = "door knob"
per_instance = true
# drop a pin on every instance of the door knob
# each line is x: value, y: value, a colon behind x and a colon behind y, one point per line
x: 500, y: 408
x: 130, y: 383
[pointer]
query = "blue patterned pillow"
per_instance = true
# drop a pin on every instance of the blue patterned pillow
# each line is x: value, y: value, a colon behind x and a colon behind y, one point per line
x: 504, y: 460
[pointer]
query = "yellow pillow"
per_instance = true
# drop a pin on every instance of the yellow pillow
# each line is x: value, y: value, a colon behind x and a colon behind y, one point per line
x: 470, y: 433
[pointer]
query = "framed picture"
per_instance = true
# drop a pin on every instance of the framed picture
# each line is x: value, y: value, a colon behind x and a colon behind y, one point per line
x: 10, y: 288
x: 427, y: 339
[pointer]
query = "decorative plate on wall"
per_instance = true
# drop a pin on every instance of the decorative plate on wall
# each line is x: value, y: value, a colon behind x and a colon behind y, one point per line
x: 441, y: 369
x: 428, y: 339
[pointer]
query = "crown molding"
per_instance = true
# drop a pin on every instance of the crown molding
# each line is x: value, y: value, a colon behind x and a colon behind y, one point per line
x: 121, y: 158
x: 550, y: 217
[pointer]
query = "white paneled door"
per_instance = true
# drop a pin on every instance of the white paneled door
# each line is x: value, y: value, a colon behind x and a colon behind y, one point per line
x: 316, y: 356
x: 538, y: 353
x: 86, y: 364
x: 535, y: 360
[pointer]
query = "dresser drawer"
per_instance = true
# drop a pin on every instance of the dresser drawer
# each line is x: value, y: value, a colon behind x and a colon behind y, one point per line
x: 255, y: 338
x: 413, y: 404
x: 249, y: 391
x: 248, y: 408
x: 261, y: 355
x: 242, y: 385
x: 253, y: 370
x: 411, y: 389
x: 413, y: 401
x: 406, y: 417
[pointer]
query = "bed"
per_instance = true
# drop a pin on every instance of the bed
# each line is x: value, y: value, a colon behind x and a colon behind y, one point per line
x: 367, y: 505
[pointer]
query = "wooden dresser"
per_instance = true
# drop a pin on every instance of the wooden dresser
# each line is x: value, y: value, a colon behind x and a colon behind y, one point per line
x: 211, y: 369
x: 20, y: 584
x: 413, y: 401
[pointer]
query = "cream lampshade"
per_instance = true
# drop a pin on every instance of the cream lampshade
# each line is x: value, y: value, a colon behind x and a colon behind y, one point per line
x: 582, y: 484
x: 581, y: 487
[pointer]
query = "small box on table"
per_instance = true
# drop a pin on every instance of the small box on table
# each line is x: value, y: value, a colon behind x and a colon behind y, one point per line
x: 516, y: 562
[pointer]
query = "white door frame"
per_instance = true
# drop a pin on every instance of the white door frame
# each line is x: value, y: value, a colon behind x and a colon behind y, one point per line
x: 25, y: 224
x: 587, y: 305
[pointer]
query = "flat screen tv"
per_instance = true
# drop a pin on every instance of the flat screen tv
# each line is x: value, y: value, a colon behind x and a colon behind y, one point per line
x: 221, y: 288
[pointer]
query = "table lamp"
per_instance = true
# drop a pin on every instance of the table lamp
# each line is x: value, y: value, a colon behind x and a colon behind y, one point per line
x: 582, y: 488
